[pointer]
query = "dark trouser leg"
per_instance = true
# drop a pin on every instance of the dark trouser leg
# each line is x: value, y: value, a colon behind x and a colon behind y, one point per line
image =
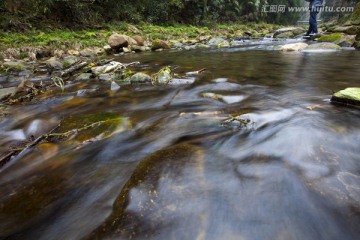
x: 313, y: 22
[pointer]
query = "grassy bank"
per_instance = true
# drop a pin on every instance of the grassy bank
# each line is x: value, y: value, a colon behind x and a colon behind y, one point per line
x: 65, y: 38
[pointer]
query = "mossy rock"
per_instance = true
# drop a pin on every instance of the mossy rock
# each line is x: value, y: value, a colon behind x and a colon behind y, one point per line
x: 348, y: 96
x: 330, y: 38
x: 323, y: 46
x: 159, y: 44
x: 355, y: 18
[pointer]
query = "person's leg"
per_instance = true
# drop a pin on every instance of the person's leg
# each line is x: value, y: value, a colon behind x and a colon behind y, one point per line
x: 311, y: 24
x: 313, y: 21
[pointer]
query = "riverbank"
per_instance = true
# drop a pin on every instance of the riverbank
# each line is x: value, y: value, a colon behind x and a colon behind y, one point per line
x: 64, y: 39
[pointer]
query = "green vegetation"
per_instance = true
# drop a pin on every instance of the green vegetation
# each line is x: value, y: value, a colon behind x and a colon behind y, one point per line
x: 67, y: 38
x: 355, y: 18
x: 330, y: 38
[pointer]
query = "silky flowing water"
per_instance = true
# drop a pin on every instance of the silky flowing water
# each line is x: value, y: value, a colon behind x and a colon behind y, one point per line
x: 175, y: 168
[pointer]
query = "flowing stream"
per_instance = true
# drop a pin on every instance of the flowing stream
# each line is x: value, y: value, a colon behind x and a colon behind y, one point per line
x: 177, y: 168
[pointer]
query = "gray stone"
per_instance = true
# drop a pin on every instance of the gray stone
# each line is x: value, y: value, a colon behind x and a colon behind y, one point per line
x: 6, y: 91
x: 346, y: 41
x: 218, y: 41
x: 70, y: 60
x: 293, y: 30
x: 286, y: 35
x: 54, y: 63
x: 293, y: 47
x: 140, y: 78
x: 14, y: 65
x: 117, y: 41
x: 83, y: 77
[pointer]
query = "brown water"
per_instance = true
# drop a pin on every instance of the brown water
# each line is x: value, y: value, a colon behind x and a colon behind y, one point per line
x: 174, y: 170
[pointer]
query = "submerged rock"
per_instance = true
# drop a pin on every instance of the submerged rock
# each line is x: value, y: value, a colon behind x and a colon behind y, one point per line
x: 348, y: 96
x: 323, y: 46
x: 294, y: 47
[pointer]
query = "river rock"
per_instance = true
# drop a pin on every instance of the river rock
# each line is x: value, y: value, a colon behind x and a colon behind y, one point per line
x: 176, y: 44
x: 110, y: 67
x: 351, y: 30
x: 14, y: 65
x: 291, y: 32
x: 107, y: 48
x: 138, y: 48
x: 126, y: 50
x: 218, y: 41
x: 54, y: 63
x: 348, y: 96
x: 117, y: 41
x: 286, y: 35
x: 73, y: 52
x: 323, y: 46
x: 139, y: 40
x: 140, y: 78
x: 4, y: 92
x: 346, y: 41
x: 159, y: 44
x: 83, y: 77
x: 70, y: 60
x: 294, y: 47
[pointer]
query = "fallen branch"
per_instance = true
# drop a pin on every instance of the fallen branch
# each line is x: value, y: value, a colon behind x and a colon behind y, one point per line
x: 72, y: 69
x: 20, y: 152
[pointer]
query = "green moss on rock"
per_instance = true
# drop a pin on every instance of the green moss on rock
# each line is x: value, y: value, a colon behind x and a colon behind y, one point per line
x: 348, y: 96
x: 330, y: 38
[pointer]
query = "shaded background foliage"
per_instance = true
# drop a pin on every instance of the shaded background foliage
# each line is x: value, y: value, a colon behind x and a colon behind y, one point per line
x: 92, y: 13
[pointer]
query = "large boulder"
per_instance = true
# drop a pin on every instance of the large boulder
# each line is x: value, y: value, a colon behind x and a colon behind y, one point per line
x: 293, y: 47
x: 348, y: 96
x: 117, y: 41
x: 323, y: 46
x: 291, y: 31
x: 139, y: 40
x: 339, y: 39
x: 159, y: 44
x: 351, y: 30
